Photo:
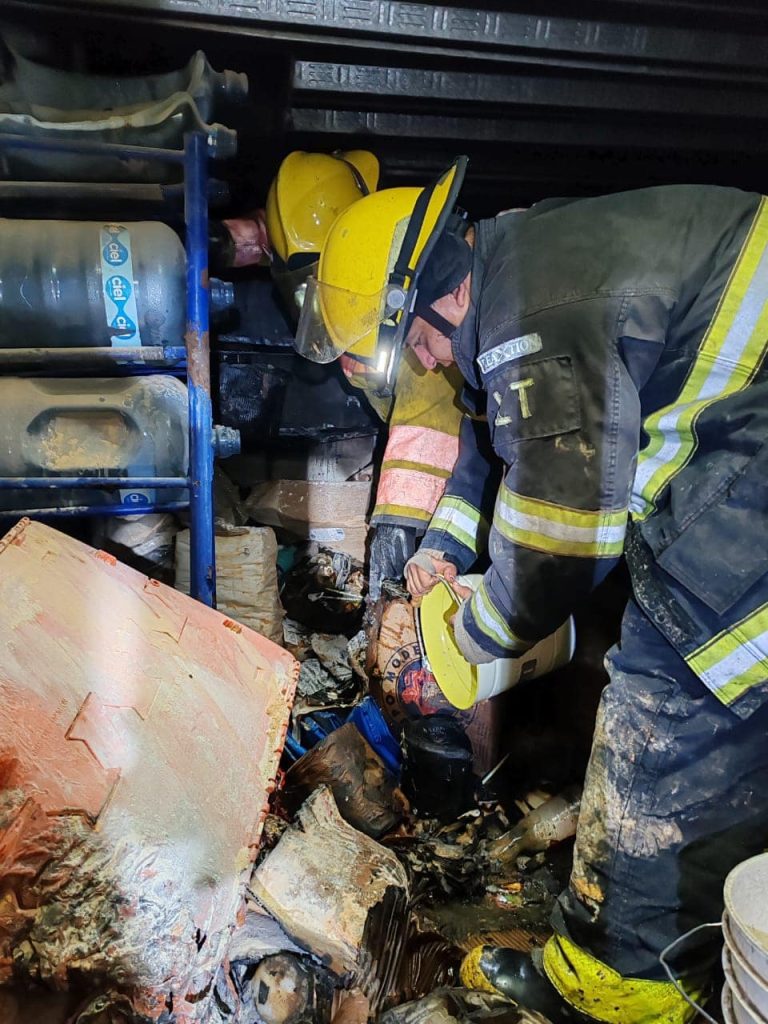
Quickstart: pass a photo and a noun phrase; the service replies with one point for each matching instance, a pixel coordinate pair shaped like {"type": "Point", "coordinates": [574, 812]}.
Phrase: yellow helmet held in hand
{"type": "Point", "coordinates": [368, 275]}
{"type": "Point", "coordinates": [305, 198]}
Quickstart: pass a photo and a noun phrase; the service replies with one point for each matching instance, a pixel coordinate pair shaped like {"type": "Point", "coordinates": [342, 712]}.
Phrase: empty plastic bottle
{"type": "Point", "coordinates": [552, 822]}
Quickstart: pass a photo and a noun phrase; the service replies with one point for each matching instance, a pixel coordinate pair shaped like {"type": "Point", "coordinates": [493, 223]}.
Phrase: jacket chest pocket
{"type": "Point", "coordinates": [535, 400]}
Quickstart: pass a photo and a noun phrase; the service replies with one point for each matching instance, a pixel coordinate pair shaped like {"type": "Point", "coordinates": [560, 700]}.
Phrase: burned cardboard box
{"type": "Point", "coordinates": [140, 734]}
{"type": "Point", "coordinates": [364, 791]}
{"type": "Point", "coordinates": [329, 513]}
{"type": "Point", "coordinates": [340, 895]}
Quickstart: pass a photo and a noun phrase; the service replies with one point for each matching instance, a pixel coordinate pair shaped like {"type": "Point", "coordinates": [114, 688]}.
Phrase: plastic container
{"type": "Point", "coordinates": [45, 103]}
{"type": "Point", "coordinates": [552, 822]}
{"type": "Point", "coordinates": [746, 913]}
{"type": "Point", "coordinates": [726, 1004]}
{"type": "Point", "coordinates": [736, 1010]}
{"type": "Point", "coordinates": [85, 283]}
{"type": "Point", "coordinates": [130, 426]}
{"type": "Point", "coordinates": [370, 721]}
{"type": "Point", "coordinates": [437, 767]}
{"type": "Point", "coordinates": [464, 684]}
{"type": "Point", "coordinates": [68, 95]}
{"type": "Point", "coordinates": [742, 980]}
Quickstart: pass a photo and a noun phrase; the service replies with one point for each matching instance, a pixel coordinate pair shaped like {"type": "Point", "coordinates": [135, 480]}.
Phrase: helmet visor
{"type": "Point", "coordinates": [291, 284]}
{"type": "Point", "coordinates": [334, 320]}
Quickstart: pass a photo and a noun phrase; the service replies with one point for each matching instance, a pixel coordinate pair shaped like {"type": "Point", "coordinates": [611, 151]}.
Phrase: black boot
{"type": "Point", "coordinates": [519, 977]}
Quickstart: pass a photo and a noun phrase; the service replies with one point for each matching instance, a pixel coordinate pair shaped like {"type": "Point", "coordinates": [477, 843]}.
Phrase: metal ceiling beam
{"type": "Point", "coordinates": [563, 108]}
{"type": "Point", "coordinates": [539, 131]}
{"type": "Point", "coordinates": [628, 39]}
{"type": "Point", "coordinates": [346, 82]}
{"type": "Point", "coordinates": [697, 7]}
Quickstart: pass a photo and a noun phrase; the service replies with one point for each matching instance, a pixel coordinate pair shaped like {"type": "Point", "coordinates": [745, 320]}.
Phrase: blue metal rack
{"type": "Point", "coordinates": [204, 440]}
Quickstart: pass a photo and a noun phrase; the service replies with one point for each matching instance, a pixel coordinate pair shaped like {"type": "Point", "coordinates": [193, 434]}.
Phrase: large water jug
{"type": "Point", "coordinates": [130, 426]}
{"type": "Point", "coordinates": [85, 283]}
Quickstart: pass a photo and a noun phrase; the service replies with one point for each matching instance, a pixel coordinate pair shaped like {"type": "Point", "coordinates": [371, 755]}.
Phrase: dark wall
{"type": "Point", "coordinates": [544, 102]}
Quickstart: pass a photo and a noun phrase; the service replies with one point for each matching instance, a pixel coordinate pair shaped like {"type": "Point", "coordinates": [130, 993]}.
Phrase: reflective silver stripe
{"type": "Point", "coordinates": [730, 352]}
{"type": "Point", "coordinates": [562, 531]}
{"type": "Point", "coordinates": [490, 621]}
{"type": "Point", "coordinates": [738, 662]}
{"type": "Point", "coordinates": [558, 529]}
{"type": "Point", "coordinates": [735, 660]}
{"type": "Point", "coordinates": [460, 520]}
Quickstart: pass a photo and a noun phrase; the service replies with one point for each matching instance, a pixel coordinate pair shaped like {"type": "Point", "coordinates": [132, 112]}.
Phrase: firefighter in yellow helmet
{"type": "Point", "coordinates": [422, 411]}
{"type": "Point", "coordinates": [308, 193]}
{"type": "Point", "coordinates": [619, 346]}
{"type": "Point", "coordinates": [363, 298]}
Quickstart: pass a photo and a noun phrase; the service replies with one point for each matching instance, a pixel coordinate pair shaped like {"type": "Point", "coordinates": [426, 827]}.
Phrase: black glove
{"type": "Point", "coordinates": [391, 548]}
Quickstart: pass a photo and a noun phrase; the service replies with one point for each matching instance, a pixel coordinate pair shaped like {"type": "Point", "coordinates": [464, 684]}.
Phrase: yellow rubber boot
{"type": "Point", "coordinates": [519, 977]}
{"type": "Point", "coordinates": [602, 994]}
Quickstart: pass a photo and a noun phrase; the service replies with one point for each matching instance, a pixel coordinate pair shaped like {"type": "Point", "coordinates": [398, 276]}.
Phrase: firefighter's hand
{"type": "Point", "coordinates": [424, 570]}
{"type": "Point", "coordinates": [352, 367]}
{"type": "Point", "coordinates": [463, 593]}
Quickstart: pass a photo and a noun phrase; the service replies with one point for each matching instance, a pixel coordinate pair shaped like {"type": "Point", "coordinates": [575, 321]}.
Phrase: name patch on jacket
{"type": "Point", "coordinates": [508, 351]}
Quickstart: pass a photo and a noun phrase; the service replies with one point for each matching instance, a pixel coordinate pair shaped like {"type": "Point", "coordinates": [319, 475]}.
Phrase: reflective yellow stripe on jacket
{"type": "Point", "coordinates": [736, 659]}
{"type": "Point", "coordinates": [557, 529]}
{"type": "Point", "coordinates": [462, 521]}
{"type": "Point", "coordinates": [729, 355]}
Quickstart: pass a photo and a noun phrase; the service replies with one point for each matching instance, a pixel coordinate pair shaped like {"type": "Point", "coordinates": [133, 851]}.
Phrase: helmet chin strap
{"type": "Point", "coordinates": [436, 320]}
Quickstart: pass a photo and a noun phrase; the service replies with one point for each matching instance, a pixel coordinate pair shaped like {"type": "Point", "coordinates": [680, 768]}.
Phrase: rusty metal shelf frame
{"type": "Point", "coordinates": [193, 159]}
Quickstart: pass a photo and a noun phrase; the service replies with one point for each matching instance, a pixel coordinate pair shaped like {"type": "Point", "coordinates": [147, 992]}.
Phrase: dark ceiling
{"type": "Point", "coordinates": [544, 102]}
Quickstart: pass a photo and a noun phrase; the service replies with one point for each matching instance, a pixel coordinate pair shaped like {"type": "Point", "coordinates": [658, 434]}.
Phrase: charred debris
{"type": "Point", "coordinates": [402, 833]}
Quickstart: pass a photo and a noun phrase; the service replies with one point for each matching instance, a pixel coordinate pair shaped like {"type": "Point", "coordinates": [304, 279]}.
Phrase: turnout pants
{"type": "Point", "coordinates": [676, 795]}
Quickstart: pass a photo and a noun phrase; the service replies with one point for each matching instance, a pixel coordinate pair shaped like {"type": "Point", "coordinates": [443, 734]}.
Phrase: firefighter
{"type": "Point", "coordinates": [619, 346]}
{"type": "Point", "coordinates": [424, 415]}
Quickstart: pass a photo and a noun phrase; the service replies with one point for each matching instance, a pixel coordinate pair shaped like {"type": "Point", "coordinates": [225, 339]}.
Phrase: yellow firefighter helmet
{"type": "Point", "coordinates": [308, 193]}
{"type": "Point", "coordinates": [368, 274]}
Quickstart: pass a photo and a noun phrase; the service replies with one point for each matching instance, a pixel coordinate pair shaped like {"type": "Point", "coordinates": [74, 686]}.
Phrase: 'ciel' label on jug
{"type": "Point", "coordinates": [115, 253]}
{"type": "Point", "coordinates": [118, 291]}
{"type": "Point", "coordinates": [118, 288]}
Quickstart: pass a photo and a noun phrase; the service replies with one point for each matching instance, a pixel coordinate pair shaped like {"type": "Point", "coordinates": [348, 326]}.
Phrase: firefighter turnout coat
{"type": "Point", "coordinates": [619, 345]}
{"type": "Point", "coordinates": [424, 419]}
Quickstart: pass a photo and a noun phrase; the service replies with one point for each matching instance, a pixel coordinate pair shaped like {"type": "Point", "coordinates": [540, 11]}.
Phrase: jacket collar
{"type": "Point", "coordinates": [465, 341]}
